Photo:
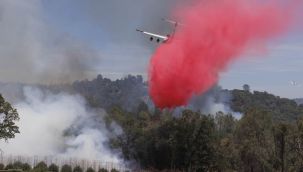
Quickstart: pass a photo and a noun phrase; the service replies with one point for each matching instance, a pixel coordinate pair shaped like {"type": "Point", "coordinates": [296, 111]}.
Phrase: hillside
{"type": "Point", "coordinates": [299, 101]}
{"type": "Point", "coordinates": [282, 109]}
{"type": "Point", "coordinates": [129, 92]}
{"type": "Point", "coordinates": [266, 138]}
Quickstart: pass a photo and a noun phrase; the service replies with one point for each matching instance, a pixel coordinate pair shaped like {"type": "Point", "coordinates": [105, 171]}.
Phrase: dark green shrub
{"type": "Point", "coordinates": [2, 166]}
{"type": "Point", "coordinates": [66, 168]}
{"type": "Point", "coordinates": [78, 169]}
{"type": "Point", "coordinates": [40, 167]}
{"type": "Point", "coordinates": [114, 170]}
{"type": "Point", "coordinates": [9, 166]}
{"type": "Point", "coordinates": [26, 167]}
{"type": "Point", "coordinates": [53, 168]}
{"type": "Point", "coordinates": [17, 165]}
{"type": "Point", "coordinates": [103, 170]}
{"type": "Point", "coordinates": [90, 169]}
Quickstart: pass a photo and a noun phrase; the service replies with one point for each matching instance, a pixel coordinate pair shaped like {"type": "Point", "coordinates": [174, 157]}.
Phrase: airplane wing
{"type": "Point", "coordinates": [153, 35]}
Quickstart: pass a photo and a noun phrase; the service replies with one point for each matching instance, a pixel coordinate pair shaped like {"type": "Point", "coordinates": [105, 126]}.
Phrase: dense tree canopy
{"type": "Point", "coordinates": [268, 137]}
{"type": "Point", "coordinates": [200, 142]}
{"type": "Point", "coordinates": [8, 117]}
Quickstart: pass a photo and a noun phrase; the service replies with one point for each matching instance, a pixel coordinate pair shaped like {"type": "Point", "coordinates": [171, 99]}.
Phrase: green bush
{"type": "Point", "coordinates": [114, 170]}
{"type": "Point", "coordinates": [53, 168]}
{"type": "Point", "coordinates": [2, 166]}
{"type": "Point", "coordinates": [103, 170]}
{"type": "Point", "coordinates": [26, 167]}
{"type": "Point", "coordinates": [90, 169]}
{"type": "Point", "coordinates": [17, 165]}
{"type": "Point", "coordinates": [41, 165]}
{"type": "Point", "coordinates": [9, 166]}
{"type": "Point", "coordinates": [78, 169]}
{"type": "Point", "coordinates": [66, 168]}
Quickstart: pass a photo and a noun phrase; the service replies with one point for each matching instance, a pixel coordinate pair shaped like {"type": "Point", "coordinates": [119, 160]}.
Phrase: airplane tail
{"type": "Point", "coordinates": [175, 23]}
{"type": "Point", "coordinates": [139, 30]}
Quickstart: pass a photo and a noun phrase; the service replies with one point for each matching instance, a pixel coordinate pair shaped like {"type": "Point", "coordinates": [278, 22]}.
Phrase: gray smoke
{"type": "Point", "coordinates": [31, 50]}
{"type": "Point", "coordinates": [59, 125]}
{"type": "Point", "coordinates": [124, 51]}
{"type": "Point", "coordinates": [213, 101]}
{"type": "Point", "coordinates": [38, 44]}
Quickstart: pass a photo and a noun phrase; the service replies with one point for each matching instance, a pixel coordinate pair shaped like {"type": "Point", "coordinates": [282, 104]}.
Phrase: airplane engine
{"type": "Point", "coordinates": [151, 38]}
{"type": "Point", "coordinates": [158, 40]}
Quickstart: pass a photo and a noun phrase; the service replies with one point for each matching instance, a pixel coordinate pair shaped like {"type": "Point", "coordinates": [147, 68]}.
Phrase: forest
{"type": "Point", "coordinates": [267, 137]}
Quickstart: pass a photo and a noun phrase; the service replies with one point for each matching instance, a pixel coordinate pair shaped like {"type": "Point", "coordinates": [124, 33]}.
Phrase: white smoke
{"type": "Point", "coordinates": [214, 101]}
{"type": "Point", "coordinates": [215, 107]}
{"type": "Point", "coordinates": [59, 125]}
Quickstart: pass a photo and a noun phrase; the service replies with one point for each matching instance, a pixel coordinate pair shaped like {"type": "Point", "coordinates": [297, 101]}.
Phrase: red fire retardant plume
{"type": "Point", "coordinates": [214, 34]}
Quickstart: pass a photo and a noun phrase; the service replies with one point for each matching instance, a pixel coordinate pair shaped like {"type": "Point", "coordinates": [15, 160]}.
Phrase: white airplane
{"type": "Point", "coordinates": [294, 83]}
{"type": "Point", "coordinates": [161, 38]}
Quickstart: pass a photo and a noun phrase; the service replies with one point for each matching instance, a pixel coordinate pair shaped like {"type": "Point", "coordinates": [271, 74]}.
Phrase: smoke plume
{"type": "Point", "coordinates": [34, 51]}
{"type": "Point", "coordinates": [43, 42]}
{"type": "Point", "coordinates": [59, 125]}
{"type": "Point", "coordinates": [215, 34]}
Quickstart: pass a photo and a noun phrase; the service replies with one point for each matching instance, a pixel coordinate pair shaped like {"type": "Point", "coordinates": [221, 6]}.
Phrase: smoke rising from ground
{"type": "Point", "coordinates": [215, 34]}
{"type": "Point", "coordinates": [33, 51]}
{"type": "Point", "coordinates": [59, 125]}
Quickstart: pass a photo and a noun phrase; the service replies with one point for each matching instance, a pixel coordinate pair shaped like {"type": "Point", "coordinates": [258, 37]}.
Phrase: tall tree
{"type": "Point", "coordinates": [280, 132]}
{"type": "Point", "coordinates": [202, 150]}
{"type": "Point", "coordinates": [8, 117]}
{"type": "Point", "coordinates": [255, 140]}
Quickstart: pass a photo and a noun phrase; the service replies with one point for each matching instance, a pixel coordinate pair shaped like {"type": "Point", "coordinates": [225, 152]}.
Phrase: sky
{"type": "Point", "coordinates": [102, 33]}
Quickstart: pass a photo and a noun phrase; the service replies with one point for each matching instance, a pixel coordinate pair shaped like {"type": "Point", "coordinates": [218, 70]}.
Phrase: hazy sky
{"type": "Point", "coordinates": [106, 30]}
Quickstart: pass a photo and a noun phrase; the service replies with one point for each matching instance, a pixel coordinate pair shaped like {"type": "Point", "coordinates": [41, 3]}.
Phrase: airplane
{"type": "Point", "coordinates": [162, 38]}
{"type": "Point", "coordinates": [156, 36]}
{"type": "Point", "coordinates": [294, 83]}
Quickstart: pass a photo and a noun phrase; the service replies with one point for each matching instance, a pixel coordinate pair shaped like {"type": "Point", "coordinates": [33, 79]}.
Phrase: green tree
{"type": "Point", "coordinates": [246, 87]}
{"type": "Point", "coordinates": [18, 165]}
{"type": "Point", "coordinates": [9, 116]}
{"type": "Point", "coordinates": [102, 170]}
{"type": "Point", "coordinates": [225, 124]}
{"type": "Point", "coordinates": [2, 166]}
{"type": "Point", "coordinates": [90, 169]}
{"type": "Point", "coordinates": [26, 167]}
{"type": "Point", "coordinates": [66, 168]}
{"type": "Point", "coordinates": [202, 145]}
{"type": "Point", "coordinates": [53, 168]}
{"type": "Point", "coordinates": [78, 169]}
{"type": "Point", "coordinates": [296, 146]}
{"type": "Point", "coordinates": [255, 140]}
{"type": "Point", "coordinates": [41, 167]}
{"type": "Point", "coordinates": [280, 132]}
{"type": "Point", "coordinates": [9, 166]}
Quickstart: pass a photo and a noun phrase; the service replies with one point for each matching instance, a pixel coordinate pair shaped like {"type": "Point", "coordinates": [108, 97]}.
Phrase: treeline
{"type": "Point", "coordinates": [130, 91]}
{"type": "Point", "coordinates": [199, 142]}
{"type": "Point", "coordinates": [283, 109]}
{"type": "Point", "coordinates": [269, 136]}
{"type": "Point", "coordinates": [102, 92]}
{"type": "Point", "coordinates": [42, 167]}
